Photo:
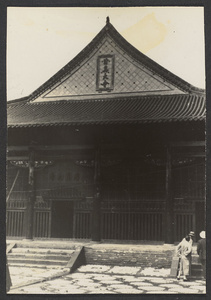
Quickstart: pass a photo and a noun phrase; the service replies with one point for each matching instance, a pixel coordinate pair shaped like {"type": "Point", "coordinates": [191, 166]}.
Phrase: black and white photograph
{"type": "Point", "coordinates": [105, 166]}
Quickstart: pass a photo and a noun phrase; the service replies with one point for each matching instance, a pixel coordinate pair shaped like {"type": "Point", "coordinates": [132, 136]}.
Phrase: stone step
{"type": "Point", "coordinates": [197, 273]}
{"type": "Point", "coordinates": [194, 278]}
{"type": "Point", "coordinates": [43, 251]}
{"type": "Point", "coordinates": [39, 254]}
{"type": "Point", "coordinates": [196, 270]}
{"type": "Point", "coordinates": [196, 267]}
{"type": "Point", "coordinates": [32, 266]}
{"type": "Point", "coordinates": [25, 261]}
{"type": "Point", "coordinates": [48, 244]}
{"type": "Point", "coordinates": [23, 256]}
{"type": "Point", "coordinates": [195, 258]}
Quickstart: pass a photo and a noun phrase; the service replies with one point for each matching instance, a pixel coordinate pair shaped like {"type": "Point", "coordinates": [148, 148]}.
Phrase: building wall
{"type": "Point", "coordinates": [132, 198]}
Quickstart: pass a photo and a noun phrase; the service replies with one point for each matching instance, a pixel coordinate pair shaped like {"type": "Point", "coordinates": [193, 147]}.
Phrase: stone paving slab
{"type": "Point", "coordinates": [109, 280]}
{"type": "Point", "coordinates": [154, 288]}
{"type": "Point", "coordinates": [160, 292]}
{"type": "Point", "coordinates": [155, 272]}
{"type": "Point", "coordinates": [169, 285]}
{"type": "Point", "coordinates": [159, 280]}
{"type": "Point", "coordinates": [94, 268]}
{"type": "Point", "coordinates": [103, 277]}
{"type": "Point", "coordinates": [81, 275]}
{"type": "Point", "coordinates": [142, 284]}
{"type": "Point", "coordinates": [181, 290]}
{"type": "Point", "coordinates": [27, 276]}
{"type": "Point", "coordinates": [198, 287]}
{"type": "Point", "coordinates": [124, 270]}
{"type": "Point", "coordinates": [186, 283]}
{"type": "Point", "coordinates": [131, 278]}
{"type": "Point", "coordinates": [126, 290]}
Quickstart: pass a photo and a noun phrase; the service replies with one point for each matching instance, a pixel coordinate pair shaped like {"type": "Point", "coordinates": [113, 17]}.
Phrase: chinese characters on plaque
{"type": "Point", "coordinates": [105, 73]}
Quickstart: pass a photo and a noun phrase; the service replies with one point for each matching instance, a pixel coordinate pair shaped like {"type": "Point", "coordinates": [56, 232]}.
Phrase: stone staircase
{"type": "Point", "coordinates": [57, 255]}
{"type": "Point", "coordinates": [32, 262]}
{"type": "Point", "coordinates": [40, 255]}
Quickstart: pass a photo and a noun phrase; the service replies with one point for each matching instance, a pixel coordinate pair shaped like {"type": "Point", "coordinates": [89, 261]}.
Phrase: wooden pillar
{"type": "Point", "coordinates": [96, 209]}
{"type": "Point", "coordinates": [32, 194]}
{"type": "Point", "coordinates": [169, 221]}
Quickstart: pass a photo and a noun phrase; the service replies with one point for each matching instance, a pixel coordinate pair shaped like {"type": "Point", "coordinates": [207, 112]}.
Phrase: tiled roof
{"type": "Point", "coordinates": [146, 109]}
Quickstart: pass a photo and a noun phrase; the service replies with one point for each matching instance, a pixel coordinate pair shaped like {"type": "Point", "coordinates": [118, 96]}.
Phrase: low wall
{"type": "Point", "coordinates": [141, 256]}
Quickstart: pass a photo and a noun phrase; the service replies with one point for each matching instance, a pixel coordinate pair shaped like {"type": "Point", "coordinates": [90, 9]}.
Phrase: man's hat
{"type": "Point", "coordinates": [191, 233]}
{"type": "Point", "coordinates": [202, 234]}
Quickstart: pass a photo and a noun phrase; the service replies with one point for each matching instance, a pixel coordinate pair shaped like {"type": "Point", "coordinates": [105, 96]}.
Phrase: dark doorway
{"type": "Point", "coordinates": [62, 219]}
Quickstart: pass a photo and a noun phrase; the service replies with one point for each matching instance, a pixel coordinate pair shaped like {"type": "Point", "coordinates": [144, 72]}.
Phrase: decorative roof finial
{"type": "Point", "coordinates": [107, 20]}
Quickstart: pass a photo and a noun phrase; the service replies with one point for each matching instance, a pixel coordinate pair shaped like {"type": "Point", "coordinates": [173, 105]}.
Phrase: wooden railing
{"type": "Point", "coordinates": [132, 226]}
{"type": "Point", "coordinates": [184, 218]}
{"type": "Point", "coordinates": [132, 220]}
{"type": "Point", "coordinates": [15, 218]}
{"type": "Point", "coordinates": [184, 223]}
{"type": "Point", "coordinates": [82, 220]}
{"type": "Point", "coordinates": [82, 225]}
{"type": "Point", "coordinates": [122, 220]}
{"type": "Point", "coordinates": [42, 223]}
{"type": "Point", "coordinates": [16, 211]}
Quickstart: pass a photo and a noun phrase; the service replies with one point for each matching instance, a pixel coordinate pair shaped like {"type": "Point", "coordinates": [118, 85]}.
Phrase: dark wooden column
{"type": "Point", "coordinates": [96, 211]}
{"type": "Point", "coordinates": [169, 222]}
{"type": "Point", "coordinates": [32, 195]}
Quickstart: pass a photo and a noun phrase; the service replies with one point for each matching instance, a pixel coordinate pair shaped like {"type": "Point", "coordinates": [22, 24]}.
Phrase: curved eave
{"type": "Point", "coordinates": [106, 122]}
{"type": "Point", "coordinates": [18, 101]}
{"type": "Point", "coordinates": [148, 109]}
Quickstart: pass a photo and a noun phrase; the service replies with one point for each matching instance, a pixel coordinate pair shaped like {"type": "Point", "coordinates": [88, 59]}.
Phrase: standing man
{"type": "Point", "coordinates": [184, 251]}
{"type": "Point", "coordinates": [191, 234]}
{"type": "Point", "coordinates": [201, 250]}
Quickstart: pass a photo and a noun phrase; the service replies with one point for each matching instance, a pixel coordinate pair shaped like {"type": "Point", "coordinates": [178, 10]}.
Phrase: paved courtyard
{"type": "Point", "coordinates": [99, 279]}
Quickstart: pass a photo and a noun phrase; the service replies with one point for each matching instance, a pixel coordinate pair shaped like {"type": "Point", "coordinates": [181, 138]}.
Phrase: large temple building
{"type": "Point", "coordinates": [112, 147]}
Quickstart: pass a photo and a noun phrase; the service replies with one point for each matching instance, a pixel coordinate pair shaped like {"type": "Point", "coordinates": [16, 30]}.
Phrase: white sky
{"type": "Point", "coordinates": [40, 41]}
